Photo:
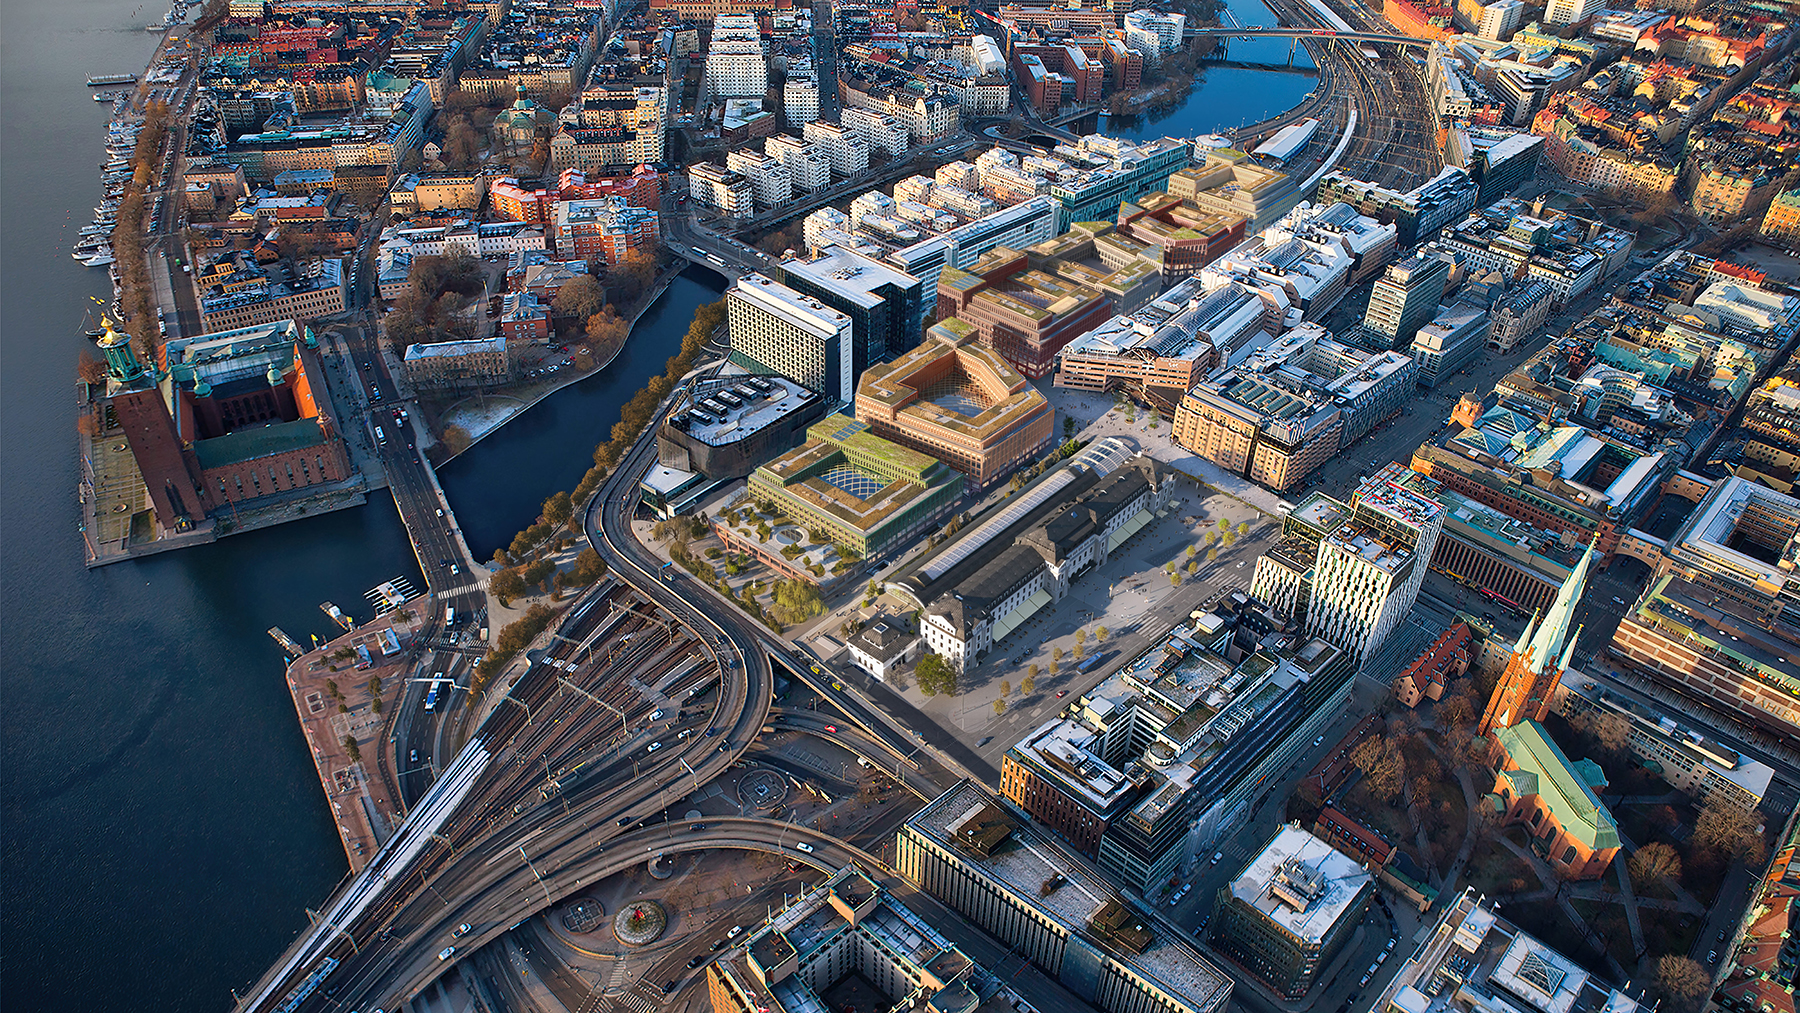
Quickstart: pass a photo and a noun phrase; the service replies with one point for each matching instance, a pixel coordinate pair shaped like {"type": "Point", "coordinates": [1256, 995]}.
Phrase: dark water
{"type": "Point", "coordinates": [161, 824]}
{"type": "Point", "coordinates": [499, 484]}
{"type": "Point", "coordinates": [1230, 97]}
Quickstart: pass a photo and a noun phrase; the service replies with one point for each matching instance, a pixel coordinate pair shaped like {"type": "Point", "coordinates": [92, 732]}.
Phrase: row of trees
{"type": "Point", "coordinates": [137, 305]}
{"type": "Point", "coordinates": [514, 637]}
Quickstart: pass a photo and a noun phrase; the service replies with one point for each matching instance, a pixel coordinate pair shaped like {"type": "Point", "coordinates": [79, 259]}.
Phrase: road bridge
{"type": "Point", "coordinates": [885, 758]}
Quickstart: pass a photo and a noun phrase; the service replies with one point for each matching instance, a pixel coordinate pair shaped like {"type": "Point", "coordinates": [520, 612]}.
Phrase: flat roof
{"type": "Point", "coordinates": [802, 311]}
{"type": "Point", "coordinates": [850, 274]}
{"type": "Point", "coordinates": [758, 411]}
{"type": "Point", "coordinates": [1026, 862]}
{"type": "Point", "coordinates": [1328, 896]}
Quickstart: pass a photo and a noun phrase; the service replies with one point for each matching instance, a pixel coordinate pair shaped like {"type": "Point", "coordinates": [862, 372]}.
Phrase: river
{"type": "Point", "coordinates": [163, 827]}
{"type": "Point", "coordinates": [1226, 97]}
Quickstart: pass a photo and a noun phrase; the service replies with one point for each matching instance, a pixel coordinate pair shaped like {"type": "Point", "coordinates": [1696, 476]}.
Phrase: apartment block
{"type": "Point", "coordinates": [848, 152]}
{"type": "Point", "coordinates": [808, 165]}
{"type": "Point", "coordinates": [607, 228]}
{"type": "Point", "coordinates": [716, 186]}
{"type": "Point", "coordinates": [769, 179]}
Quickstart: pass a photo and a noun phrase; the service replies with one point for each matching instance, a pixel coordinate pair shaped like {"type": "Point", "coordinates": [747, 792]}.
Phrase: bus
{"type": "Point", "coordinates": [1508, 604]}
{"type": "Point", "coordinates": [431, 698]}
{"type": "Point", "coordinates": [1090, 664]}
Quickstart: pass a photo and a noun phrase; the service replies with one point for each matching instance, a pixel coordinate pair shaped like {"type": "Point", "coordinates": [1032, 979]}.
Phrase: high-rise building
{"type": "Point", "coordinates": [883, 303]}
{"type": "Point", "coordinates": [777, 329]}
{"type": "Point", "coordinates": [1571, 12]}
{"type": "Point", "coordinates": [1353, 571]}
{"type": "Point", "coordinates": [800, 101]}
{"type": "Point", "coordinates": [881, 133]}
{"type": "Point", "coordinates": [1406, 297]}
{"type": "Point", "coordinates": [735, 66]}
{"type": "Point", "coordinates": [1291, 910]}
{"type": "Point", "coordinates": [1053, 909]}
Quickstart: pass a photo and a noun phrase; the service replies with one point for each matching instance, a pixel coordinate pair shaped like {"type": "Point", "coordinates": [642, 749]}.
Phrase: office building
{"type": "Point", "coordinates": [1407, 297]}
{"type": "Point", "coordinates": [1450, 341]}
{"type": "Point", "coordinates": [1371, 563]}
{"type": "Point", "coordinates": [776, 329]}
{"type": "Point", "coordinates": [1291, 910]}
{"type": "Point", "coordinates": [968, 851]}
{"type": "Point", "coordinates": [1111, 172]}
{"type": "Point", "coordinates": [1713, 773]}
{"type": "Point", "coordinates": [885, 305]}
{"type": "Point", "coordinates": [864, 492]}
{"type": "Point", "coordinates": [1180, 237]}
{"type": "Point", "coordinates": [1281, 408]}
{"type": "Point", "coordinates": [1158, 353]}
{"type": "Point", "coordinates": [253, 294]}
{"type": "Point", "coordinates": [960, 403]}
{"type": "Point", "coordinates": [841, 940]}
{"type": "Point", "coordinates": [884, 647]}
{"type": "Point", "coordinates": [1024, 314]}
{"type": "Point", "coordinates": [1018, 227]}
{"type": "Point", "coordinates": [1416, 214]}
{"type": "Point", "coordinates": [1474, 959]}
{"type": "Point", "coordinates": [1720, 621]}
{"type": "Point", "coordinates": [1782, 222]}
{"type": "Point", "coordinates": [726, 438]}
{"type": "Point", "coordinates": [1149, 769]}
{"type": "Point", "coordinates": [978, 586]}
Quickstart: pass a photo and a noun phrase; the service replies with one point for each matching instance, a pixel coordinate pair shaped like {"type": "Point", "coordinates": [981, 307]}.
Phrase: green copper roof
{"type": "Point", "coordinates": [1561, 787]}
{"type": "Point", "coordinates": [249, 444]}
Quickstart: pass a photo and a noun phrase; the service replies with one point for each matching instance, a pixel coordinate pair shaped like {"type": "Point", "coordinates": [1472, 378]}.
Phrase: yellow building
{"type": "Point", "coordinates": [1782, 223]}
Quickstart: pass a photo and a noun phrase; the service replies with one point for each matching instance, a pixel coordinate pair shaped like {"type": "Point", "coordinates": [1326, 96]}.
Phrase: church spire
{"type": "Point", "coordinates": [1547, 644]}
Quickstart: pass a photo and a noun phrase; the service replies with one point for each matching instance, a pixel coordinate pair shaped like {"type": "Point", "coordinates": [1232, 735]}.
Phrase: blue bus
{"type": "Point", "coordinates": [1088, 665]}
{"type": "Point", "coordinates": [431, 698]}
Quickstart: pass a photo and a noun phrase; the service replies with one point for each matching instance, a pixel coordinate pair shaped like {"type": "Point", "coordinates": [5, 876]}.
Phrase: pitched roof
{"type": "Point", "coordinates": [1561, 788]}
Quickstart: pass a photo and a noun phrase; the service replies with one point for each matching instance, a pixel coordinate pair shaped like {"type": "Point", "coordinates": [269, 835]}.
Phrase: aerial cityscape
{"type": "Point", "coordinates": [1069, 506]}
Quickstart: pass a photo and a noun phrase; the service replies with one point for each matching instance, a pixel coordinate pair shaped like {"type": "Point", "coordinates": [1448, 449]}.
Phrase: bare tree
{"type": "Point", "coordinates": [1682, 980]}
{"type": "Point", "coordinates": [1729, 832]}
{"type": "Point", "coordinates": [1653, 861]}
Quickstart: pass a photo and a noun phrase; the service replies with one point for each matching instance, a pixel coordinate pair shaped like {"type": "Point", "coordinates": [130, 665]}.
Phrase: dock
{"type": "Point", "coordinates": [345, 708]}
{"type": "Point", "coordinates": [287, 643]}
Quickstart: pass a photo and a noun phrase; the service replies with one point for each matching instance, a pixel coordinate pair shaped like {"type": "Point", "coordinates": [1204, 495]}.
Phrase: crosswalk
{"type": "Point", "coordinates": [635, 1001]}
